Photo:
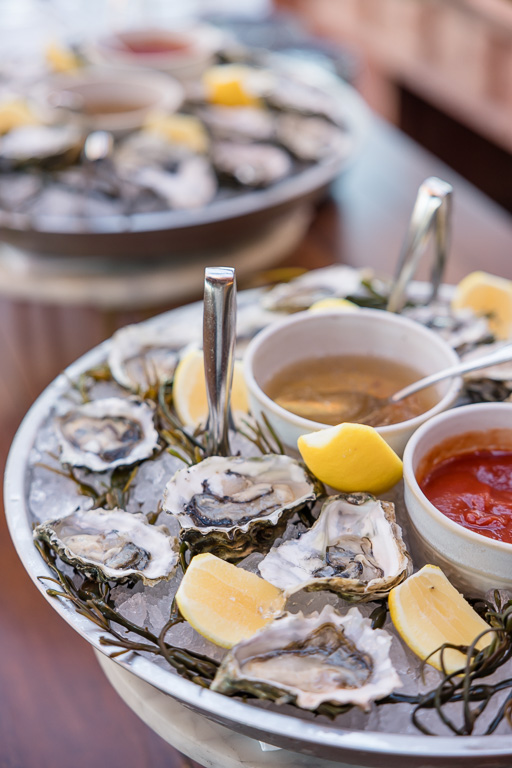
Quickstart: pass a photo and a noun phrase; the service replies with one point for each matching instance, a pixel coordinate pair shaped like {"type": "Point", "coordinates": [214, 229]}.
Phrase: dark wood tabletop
{"type": "Point", "coordinates": [56, 707]}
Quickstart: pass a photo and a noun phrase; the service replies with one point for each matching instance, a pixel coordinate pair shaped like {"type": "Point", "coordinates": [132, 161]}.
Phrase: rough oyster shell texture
{"type": "Point", "coordinates": [108, 433]}
{"type": "Point", "coordinates": [233, 506]}
{"type": "Point", "coordinates": [355, 549]}
{"type": "Point", "coordinates": [113, 545]}
{"type": "Point", "coordinates": [309, 660]}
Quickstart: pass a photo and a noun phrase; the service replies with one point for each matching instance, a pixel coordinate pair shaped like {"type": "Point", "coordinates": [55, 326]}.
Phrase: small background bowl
{"type": "Point", "coordinates": [369, 332]}
{"type": "Point", "coordinates": [192, 49]}
{"type": "Point", "coordinates": [142, 91]}
{"type": "Point", "coordinates": [473, 562]}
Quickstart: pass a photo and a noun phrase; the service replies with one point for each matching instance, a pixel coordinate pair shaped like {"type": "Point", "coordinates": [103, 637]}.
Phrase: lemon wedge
{"type": "Point", "coordinates": [489, 295]}
{"type": "Point", "coordinates": [327, 305]}
{"type": "Point", "coordinates": [427, 611]}
{"type": "Point", "coordinates": [229, 85]}
{"type": "Point", "coordinates": [226, 604]}
{"type": "Point", "coordinates": [14, 114]}
{"type": "Point", "coordinates": [189, 389]}
{"type": "Point", "coordinates": [351, 457]}
{"type": "Point", "coordinates": [186, 130]}
{"type": "Point", "coordinates": [60, 58]}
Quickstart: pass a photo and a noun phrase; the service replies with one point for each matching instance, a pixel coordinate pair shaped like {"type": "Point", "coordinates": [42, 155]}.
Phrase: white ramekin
{"type": "Point", "coordinates": [473, 562]}
{"type": "Point", "coordinates": [306, 336]}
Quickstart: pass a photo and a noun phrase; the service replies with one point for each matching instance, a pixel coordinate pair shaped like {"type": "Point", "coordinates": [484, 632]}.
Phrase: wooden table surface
{"type": "Point", "coordinates": [56, 708]}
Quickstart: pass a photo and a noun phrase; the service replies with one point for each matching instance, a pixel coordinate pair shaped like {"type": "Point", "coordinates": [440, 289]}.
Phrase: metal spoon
{"type": "Point", "coordinates": [219, 328]}
{"type": "Point", "coordinates": [364, 405]}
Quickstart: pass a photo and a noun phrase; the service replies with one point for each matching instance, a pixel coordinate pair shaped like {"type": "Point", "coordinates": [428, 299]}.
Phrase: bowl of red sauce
{"type": "Point", "coordinates": [458, 494]}
{"type": "Point", "coordinates": [185, 50]}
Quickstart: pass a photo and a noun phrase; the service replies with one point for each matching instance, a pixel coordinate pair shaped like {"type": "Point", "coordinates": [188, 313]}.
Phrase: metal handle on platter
{"type": "Point", "coordinates": [502, 355]}
{"type": "Point", "coordinates": [432, 211]}
{"type": "Point", "coordinates": [219, 328]}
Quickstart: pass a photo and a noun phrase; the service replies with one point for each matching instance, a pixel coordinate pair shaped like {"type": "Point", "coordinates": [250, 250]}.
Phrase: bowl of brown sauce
{"type": "Point", "coordinates": [458, 494]}
{"type": "Point", "coordinates": [312, 371]}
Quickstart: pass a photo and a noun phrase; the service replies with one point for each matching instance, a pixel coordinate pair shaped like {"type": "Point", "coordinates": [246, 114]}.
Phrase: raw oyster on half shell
{"type": "Point", "coordinates": [355, 549]}
{"type": "Point", "coordinates": [313, 659]}
{"type": "Point", "coordinates": [337, 281]}
{"type": "Point", "coordinates": [233, 506]}
{"type": "Point", "coordinates": [112, 545]}
{"type": "Point", "coordinates": [108, 433]}
{"type": "Point", "coordinates": [142, 357]}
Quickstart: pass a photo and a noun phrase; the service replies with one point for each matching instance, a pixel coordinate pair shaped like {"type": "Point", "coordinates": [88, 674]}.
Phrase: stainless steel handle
{"type": "Point", "coordinates": [432, 211]}
{"type": "Point", "coordinates": [219, 328]}
{"type": "Point", "coordinates": [502, 355]}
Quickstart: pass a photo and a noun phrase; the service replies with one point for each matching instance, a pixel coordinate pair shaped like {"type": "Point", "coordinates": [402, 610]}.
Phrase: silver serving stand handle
{"type": "Point", "coordinates": [219, 329]}
{"type": "Point", "coordinates": [431, 214]}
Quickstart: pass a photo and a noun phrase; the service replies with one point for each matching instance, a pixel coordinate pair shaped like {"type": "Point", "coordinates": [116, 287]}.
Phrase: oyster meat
{"type": "Point", "coordinates": [355, 548]}
{"type": "Point", "coordinates": [233, 506]}
{"type": "Point", "coordinates": [312, 659]}
{"type": "Point", "coordinates": [108, 433]}
{"type": "Point", "coordinates": [112, 545]}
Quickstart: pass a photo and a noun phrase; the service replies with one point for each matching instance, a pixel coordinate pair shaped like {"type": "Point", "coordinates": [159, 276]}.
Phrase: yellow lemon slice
{"type": "Point", "coordinates": [427, 611]}
{"type": "Point", "coordinates": [224, 603]}
{"type": "Point", "coordinates": [351, 457]}
{"type": "Point", "coordinates": [326, 305]}
{"type": "Point", "coordinates": [489, 295]}
{"type": "Point", "coordinates": [189, 389]}
{"type": "Point", "coordinates": [14, 114]}
{"type": "Point", "coordinates": [60, 58]}
{"type": "Point", "coordinates": [186, 130]}
{"type": "Point", "coordinates": [229, 86]}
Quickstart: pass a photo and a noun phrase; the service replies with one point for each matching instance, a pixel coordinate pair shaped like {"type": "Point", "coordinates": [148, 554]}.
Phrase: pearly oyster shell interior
{"type": "Point", "coordinates": [324, 657]}
{"type": "Point", "coordinates": [107, 433]}
{"type": "Point", "coordinates": [355, 549]}
{"type": "Point", "coordinates": [233, 506]}
{"type": "Point", "coordinates": [111, 544]}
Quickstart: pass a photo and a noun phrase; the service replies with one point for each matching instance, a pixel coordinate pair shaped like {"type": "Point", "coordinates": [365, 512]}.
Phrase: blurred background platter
{"type": "Point", "coordinates": [175, 235]}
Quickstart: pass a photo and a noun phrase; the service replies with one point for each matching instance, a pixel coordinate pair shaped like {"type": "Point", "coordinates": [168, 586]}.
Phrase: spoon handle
{"type": "Point", "coordinates": [502, 355]}
{"type": "Point", "coordinates": [219, 328]}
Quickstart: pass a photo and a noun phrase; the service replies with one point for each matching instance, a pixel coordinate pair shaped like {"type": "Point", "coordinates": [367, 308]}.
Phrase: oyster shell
{"type": "Point", "coordinates": [245, 123]}
{"type": "Point", "coordinates": [108, 433]}
{"type": "Point", "coordinates": [500, 372]}
{"type": "Point", "coordinates": [40, 144]}
{"type": "Point", "coordinates": [336, 281]}
{"type": "Point", "coordinates": [141, 357]}
{"type": "Point", "coordinates": [312, 138]}
{"type": "Point", "coordinates": [192, 184]}
{"type": "Point", "coordinates": [355, 548]}
{"type": "Point", "coordinates": [252, 165]}
{"type": "Point", "coordinates": [309, 660]}
{"type": "Point", "coordinates": [233, 506]}
{"type": "Point", "coordinates": [112, 545]}
{"type": "Point", "coordinates": [461, 328]}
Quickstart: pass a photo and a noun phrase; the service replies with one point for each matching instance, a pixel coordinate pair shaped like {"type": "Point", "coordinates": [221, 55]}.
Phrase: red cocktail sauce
{"type": "Point", "coordinates": [475, 490]}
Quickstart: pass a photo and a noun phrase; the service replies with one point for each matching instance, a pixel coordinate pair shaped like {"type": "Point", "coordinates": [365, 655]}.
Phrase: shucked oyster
{"type": "Point", "coordinates": [141, 356]}
{"type": "Point", "coordinates": [252, 165]}
{"type": "Point", "coordinates": [112, 545]}
{"type": "Point", "coordinates": [355, 548]}
{"type": "Point", "coordinates": [336, 281]}
{"type": "Point", "coordinates": [309, 660]}
{"type": "Point", "coordinates": [108, 433]}
{"type": "Point", "coordinates": [232, 506]}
